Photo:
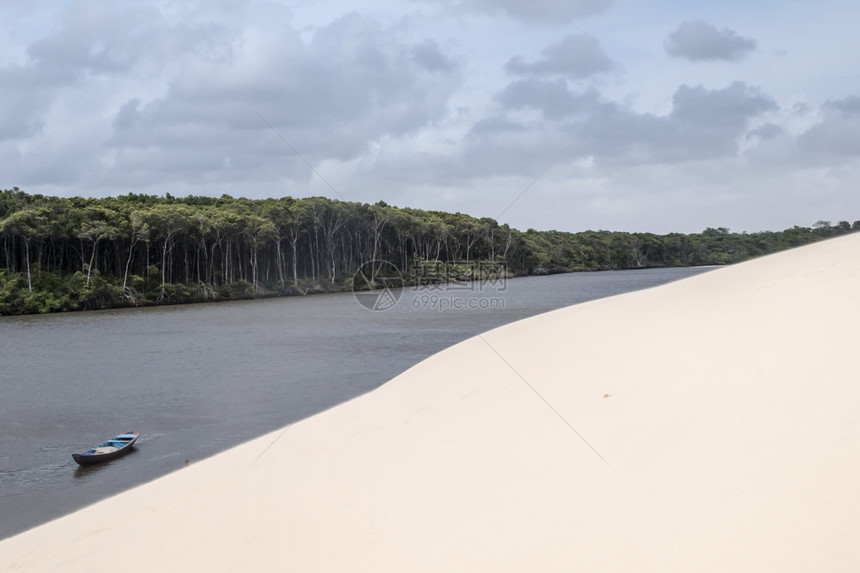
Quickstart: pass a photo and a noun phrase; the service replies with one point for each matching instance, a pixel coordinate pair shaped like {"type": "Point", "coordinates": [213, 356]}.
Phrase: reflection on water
{"type": "Point", "coordinates": [198, 379]}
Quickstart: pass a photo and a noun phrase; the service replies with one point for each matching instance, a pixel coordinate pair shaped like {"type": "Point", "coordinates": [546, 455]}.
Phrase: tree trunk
{"type": "Point", "coordinates": [127, 264]}
{"type": "Point", "coordinates": [92, 260]}
{"type": "Point", "coordinates": [293, 240]}
{"type": "Point", "coordinates": [280, 261]}
{"type": "Point", "coordinates": [27, 256]}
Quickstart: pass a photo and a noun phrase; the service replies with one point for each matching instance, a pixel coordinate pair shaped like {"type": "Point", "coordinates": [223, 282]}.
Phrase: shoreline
{"type": "Point", "coordinates": [411, 287]}
{"type": "Point", "coordinates": [708, 424]}
{"type": "Point", "coordinates": [318, 290]}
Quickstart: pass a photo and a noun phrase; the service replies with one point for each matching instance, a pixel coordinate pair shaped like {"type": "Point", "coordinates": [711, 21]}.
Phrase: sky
{"type": "Point", "coordinates": [661, 116]}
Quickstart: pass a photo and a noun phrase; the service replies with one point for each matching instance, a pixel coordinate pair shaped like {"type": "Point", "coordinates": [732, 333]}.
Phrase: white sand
{"type": "Point", "coordinates": [722, 419]}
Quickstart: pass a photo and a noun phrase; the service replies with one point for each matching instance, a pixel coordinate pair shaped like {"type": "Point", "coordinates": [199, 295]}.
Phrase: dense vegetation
{"type": "Point", "coordinates": [72, 253]}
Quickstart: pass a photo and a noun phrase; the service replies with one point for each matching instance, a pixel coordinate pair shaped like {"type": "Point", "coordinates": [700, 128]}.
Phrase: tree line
{"type": "Point", "coordinates": [61, 254]}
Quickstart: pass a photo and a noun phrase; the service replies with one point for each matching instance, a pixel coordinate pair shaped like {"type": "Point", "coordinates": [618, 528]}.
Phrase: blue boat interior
{"type": "Point", "coordinates": [109, 443]}
{"type": "Point", "coordinates": [118, 442]}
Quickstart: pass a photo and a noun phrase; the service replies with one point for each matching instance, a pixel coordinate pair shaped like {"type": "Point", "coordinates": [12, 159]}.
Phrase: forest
{"type": "Point", "coordinates": [62, 254]}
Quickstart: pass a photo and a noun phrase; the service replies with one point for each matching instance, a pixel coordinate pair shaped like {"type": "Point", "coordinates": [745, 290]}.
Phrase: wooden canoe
{"type": "Point", "coordinates": [109, 450]}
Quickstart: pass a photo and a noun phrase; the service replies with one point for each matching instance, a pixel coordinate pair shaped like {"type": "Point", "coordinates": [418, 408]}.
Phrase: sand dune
{"type": "Point", "coordinates": [712, 424]}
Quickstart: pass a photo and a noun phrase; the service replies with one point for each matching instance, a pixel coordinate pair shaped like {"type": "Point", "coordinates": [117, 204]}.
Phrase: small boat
{"type": "Point", "coordinates": [110, 450]}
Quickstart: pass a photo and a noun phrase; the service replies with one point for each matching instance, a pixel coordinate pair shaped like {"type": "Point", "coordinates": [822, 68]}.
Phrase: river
{"type": "Point", "coordinates": [198, 379]}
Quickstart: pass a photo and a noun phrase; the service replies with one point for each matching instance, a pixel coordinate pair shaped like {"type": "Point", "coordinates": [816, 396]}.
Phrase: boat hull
{"type": "Point", "coordinates": [126, 443]}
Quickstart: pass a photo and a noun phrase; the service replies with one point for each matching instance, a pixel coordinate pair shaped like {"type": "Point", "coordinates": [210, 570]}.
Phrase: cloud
{"type": "Point", "coordinates": [703, 123]}
{"type": "Point", "coordinates": [837, 134]}
{"type": "Point", "coordinates": [514, 145]}
{"type": "Point", "coordinates": [353, 83]}
{"type": "Point", "coordinates": [93, 42]}
{"type": "Point", "coordinates": [576, 55]}
{"type": "Point", "coordinates": [164, 103]}
{"type": "Point", "coordinates": [700, 41]}
{"type": "Point", "coordinates": [727, 109]}
{"type": "Point", "coordinates": [551, 97]}
{"type": "Point", "coordinates": [449, 104]}
{"type": "Point", "coordinates": [849, 106]}
{"type": "Point", "coordinates": [766, 131]}
{"type": "Point", "coordinates": [27, 94]}
{"type": "Point", "coordinates": [533, 11]}
{"type": "Point", "coordinates": [429, 55]}
{"type": "Point", "coordinates": [544, 10]}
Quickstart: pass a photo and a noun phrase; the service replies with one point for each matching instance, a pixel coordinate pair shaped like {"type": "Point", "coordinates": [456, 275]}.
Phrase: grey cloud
{"type": "Point", "coordinates": [700, 41]}
{"type": "Point", "coordinates": [702, 132]}
{"type": "Point", "coordinates": [26, 95]}
{"type": "Point", "coordinates": [551, 97]}
{"type": "Point", "coordinates": [576, 55]}
{"type": "Point", "coordinates": [353, 83]}
{"type": "Point", "coordinates": [496, 125]}
{"type": "Point", "coordinates": [726, 109]}
{"type": "Point", "coordinates": [837, 134]}
{"type": "Point", "coordinates": [766, 131]}
{"type": "Point", "coordinates": [703, 124]}
{"type": "Point", "coordinates": [87, 39]}
{"type": "Point", "coordinates": [531, 11]}
{"type": "Point", "coordinates": [185, 97]}
{"type": "Point", "coordinates": [801, 108]}
{"type": "Point", "coordinates": [430, 57]}
{"type": "Point", "coordinates": [127, 115]}
{"type": "Point", "coordinates": [92, 39]}
{"type": "Point", "coordinates": [542, 11]}
{"type": "Point", "coordinates": [104, 39]}
{"type": "Point", "coordinates": [849, 106]}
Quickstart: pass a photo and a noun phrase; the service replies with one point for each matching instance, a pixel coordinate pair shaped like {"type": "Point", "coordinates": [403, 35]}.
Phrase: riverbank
{"type": "Point", "coordinates": [59, 254]}
{"type": "Point", "coordinates": [50, 292]}
{"type": "Point", "coordinates": [705, 425]}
